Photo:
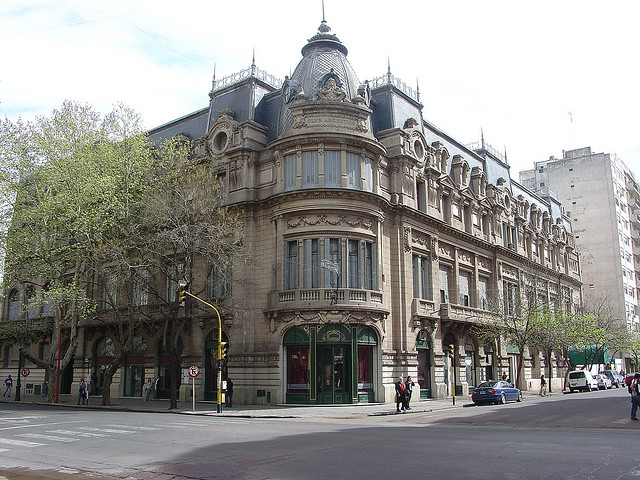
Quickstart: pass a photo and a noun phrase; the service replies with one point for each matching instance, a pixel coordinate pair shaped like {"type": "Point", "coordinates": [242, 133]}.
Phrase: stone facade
{"type": "Point", "coordinates": [379, 242]}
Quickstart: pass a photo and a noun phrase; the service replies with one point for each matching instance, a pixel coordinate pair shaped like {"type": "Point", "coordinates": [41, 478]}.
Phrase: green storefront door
{"type": "Point", "coordinates": [333, 374]}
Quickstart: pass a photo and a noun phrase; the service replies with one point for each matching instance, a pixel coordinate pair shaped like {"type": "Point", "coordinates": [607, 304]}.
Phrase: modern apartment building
{"type": "Point", "coordinates": [602, 198]}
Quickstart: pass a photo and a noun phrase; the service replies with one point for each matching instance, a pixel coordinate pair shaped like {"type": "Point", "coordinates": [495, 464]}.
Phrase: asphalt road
{"type": "Point", "coordinates": [575, 436]}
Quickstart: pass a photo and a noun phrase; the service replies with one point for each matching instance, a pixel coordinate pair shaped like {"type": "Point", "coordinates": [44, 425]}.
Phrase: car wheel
{"type": "Point", "coordinates": [571, 390]}
{"type": "Point", "coordinates": [519, 399]}
{"type": "Point", "coordinates": [503, 399]}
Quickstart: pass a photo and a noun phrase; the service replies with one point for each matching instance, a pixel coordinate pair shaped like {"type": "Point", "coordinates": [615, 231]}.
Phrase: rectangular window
{"type": "Point", "coordinates": [422, 196]}
{"type": "Point", "coordinates": [416, 276]}
{"type": "Point", "coordinates": [444, 284]}
{"type": "Point", "coordinates": [511, 298]}
{"type": "Point", "coordinates": [332, 177]}
{"type": "Point", "coordinates": [332, 253]}
{"type": "Point", "coordinates": [219, 281]}
{"type": "Point", "coordinates": [291, 268]}
{"type": "Point", "coordinates": [290, 172]}
{"type": "Point", "coordinates": [310, 169]}
{"type": "Point", "coordinates": [463, 285]}
{"type": "Point", "coordinates": [424, 278]}
{"type": "Point", "coordinates": [140, 293]}
{"type": "Point", "coordinates": [483, 288]}
{"type": "Point", "coordinates": [370, 266]}
{"type": "Point", "coordinates": [311, 264]}
{"type": "Point", "coordinates": [353, 170]}
{"type": "Point", "coordinates": [109, 296]}
{"type": "Point", "coordinates": [353, 264]}
{"type": "Point", "coordinates": [368, 174]}
{"type": "Point", "coordinates": [172, 283]}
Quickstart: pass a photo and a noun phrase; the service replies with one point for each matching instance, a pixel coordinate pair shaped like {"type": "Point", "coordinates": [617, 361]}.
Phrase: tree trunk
{"type": "Point", "coordinates": [107, 379]}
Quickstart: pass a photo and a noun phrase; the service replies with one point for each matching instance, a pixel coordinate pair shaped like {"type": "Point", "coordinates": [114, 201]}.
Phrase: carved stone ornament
{"type": "Point", "coordinates": [434, 248]}
{"type": "Point", "coordinates": [331, 91]}
{"type": "Point", "coordinates": [303, 221]}
{"type": "Point", "coordinates": [407, 239]}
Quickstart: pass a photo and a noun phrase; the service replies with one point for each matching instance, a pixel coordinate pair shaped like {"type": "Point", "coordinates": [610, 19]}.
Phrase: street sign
{"type": "Point", "coordinates": [194, 371]}
{"type": "Point", "coordinates": [25, 372]}
{"type": "Point", "coordinates": [561, 364]}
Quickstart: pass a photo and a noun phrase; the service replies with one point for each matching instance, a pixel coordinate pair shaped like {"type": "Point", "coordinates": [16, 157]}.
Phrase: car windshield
{"type": "Point", "coordinates": [488, 384]}
{"type": "Point", "coordinates": [576, 375]}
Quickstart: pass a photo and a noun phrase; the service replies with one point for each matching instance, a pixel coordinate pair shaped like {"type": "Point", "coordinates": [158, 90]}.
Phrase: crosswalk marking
{"type": "Point", "coordinates": [106, 430]}
{"type": "Point", "coordinates": [79, 434]}
{"type": "Point", "coordinates": [42, 436]}
{"type": "Point", "coordinates": [135, 427]}
{"type": "Point", "coordinates": [20, 443]}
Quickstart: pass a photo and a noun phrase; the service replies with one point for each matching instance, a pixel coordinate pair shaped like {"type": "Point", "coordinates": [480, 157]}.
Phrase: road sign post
{"type": "Point", "coordinates": [193, 373]}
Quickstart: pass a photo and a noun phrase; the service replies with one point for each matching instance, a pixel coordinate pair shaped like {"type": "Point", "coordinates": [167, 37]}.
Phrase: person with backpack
{"type": "Point", "coordinates": [635, 395]}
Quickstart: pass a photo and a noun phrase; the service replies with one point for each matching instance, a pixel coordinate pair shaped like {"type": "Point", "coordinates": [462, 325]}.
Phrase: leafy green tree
{"type": "Point", "coordinates": [69, 181]}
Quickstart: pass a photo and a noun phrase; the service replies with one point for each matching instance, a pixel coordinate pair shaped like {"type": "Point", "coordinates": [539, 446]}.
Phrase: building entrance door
{"type": "Point", "coordinates": [333, 374]}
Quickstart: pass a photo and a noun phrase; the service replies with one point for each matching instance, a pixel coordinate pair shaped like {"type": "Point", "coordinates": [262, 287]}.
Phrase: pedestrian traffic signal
{"type": "Point", "coordinates": [182, 288]}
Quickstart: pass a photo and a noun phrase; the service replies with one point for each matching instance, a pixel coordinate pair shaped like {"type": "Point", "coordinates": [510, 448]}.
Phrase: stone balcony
{"type": "Point", "coordinates": [326, 299]}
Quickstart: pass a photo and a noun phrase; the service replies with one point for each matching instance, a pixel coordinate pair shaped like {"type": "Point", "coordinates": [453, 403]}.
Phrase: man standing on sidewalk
{"type": "Point", "coordinates": [8, 382]}
{"type": "Point", "coordinates": [635, 395]}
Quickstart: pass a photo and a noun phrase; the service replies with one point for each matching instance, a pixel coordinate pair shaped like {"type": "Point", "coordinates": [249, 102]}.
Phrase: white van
{"type": "Point", "coordinates": [582, 380]}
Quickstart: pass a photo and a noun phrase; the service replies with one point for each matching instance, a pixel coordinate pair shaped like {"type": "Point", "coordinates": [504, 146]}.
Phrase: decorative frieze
{"type": "Point", "coordinates": [333, 220]}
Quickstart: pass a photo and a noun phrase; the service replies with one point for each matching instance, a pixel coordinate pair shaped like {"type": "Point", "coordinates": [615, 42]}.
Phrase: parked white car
{"type": "Point", "coordinates": [616, 379]}
{"type": "Point", "coordinates": [604, 382]}
{"type": "Point", "coordinates": [582, 380]}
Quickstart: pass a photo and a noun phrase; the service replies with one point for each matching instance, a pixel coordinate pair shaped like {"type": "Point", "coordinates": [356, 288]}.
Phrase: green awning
{"type": "Point", "coordinates": [590, 354]}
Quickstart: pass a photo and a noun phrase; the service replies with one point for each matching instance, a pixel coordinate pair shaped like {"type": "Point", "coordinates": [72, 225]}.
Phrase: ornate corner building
{"type": "Point", "coordinates": [380, 241]}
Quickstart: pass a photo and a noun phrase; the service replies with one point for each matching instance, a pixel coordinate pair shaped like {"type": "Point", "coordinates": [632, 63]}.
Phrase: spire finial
{"type": "Point", "coordinates": [323, 28]}
{"type": "Point", "coordinates": [253, 58]}
{"type": "Point", "coordinates": [213, 82]}
{"type": "Point", "coordinates": [482, 137]}
{"type": "Point", "coordinates": [417, 89]}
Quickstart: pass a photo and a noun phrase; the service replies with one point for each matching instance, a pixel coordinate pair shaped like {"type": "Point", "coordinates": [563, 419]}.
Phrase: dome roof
{"type": "Point", "coordinates": [323, 55]}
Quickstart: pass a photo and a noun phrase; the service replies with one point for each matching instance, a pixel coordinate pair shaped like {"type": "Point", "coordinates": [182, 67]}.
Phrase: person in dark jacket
{"type": "Point", "coordinates": [400, 394]}
{"type": "Point", "coordinates": [408, 388]}
{"type": "Point", "coordinates": [229, 394]}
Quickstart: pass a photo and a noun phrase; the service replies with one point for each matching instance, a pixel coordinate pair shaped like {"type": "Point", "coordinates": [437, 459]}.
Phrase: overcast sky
{"type": "Point", "coordinates": [537, 77]}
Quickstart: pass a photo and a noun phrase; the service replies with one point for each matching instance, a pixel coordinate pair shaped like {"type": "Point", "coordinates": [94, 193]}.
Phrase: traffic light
{"type": "Point", "coordinates": [224, 346]}
{"type": "Point", "coordinates": [451, 350]}
{"type": "Point", "coordinates": [182, 288]}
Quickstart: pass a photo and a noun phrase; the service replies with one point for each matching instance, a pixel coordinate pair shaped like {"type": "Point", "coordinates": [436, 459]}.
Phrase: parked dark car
{"type": "Point", "coordinates": [495, 391]}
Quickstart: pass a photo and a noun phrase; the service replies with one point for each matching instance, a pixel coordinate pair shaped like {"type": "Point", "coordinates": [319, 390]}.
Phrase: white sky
{"type": "Point", "coordinates": [538, 77]}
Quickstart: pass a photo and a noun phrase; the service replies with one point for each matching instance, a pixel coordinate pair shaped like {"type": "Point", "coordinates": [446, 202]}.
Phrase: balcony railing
{"type": "Point", "coordinates": [324, 298]}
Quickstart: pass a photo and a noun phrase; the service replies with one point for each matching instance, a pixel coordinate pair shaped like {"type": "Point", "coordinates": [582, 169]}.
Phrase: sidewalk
{"type": "Point", "coordinates": [257, 411]}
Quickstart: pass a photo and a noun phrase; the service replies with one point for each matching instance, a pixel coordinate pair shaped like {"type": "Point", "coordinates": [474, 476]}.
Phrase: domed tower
{"type": "Point", "coordinates": [324, 73]}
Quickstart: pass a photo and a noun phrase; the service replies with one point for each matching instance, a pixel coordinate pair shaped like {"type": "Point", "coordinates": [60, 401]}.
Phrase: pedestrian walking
{"type": "Point", "coordinates": [82, 392]}
{"type": "Point", "coordinates": [45, 388]}
{"type": "Point", "coordinates": [635, 395]}
{"type": "Point", "coordinates": [400, 394]}
{"type": "Point", "coordinates": [408, 388]}
{"type": "Point", "coordinates": [147, 389]}
{"type": "Point", "coordinates": [8, 383]}
{"type": "Point", "coordinates": [543, 386]}
{"type": "Point", "coordinates": [228, 398]}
